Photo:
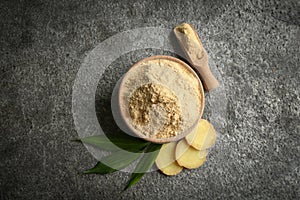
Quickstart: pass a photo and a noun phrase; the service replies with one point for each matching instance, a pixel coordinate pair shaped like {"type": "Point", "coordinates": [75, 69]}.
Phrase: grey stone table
{"type": "Point", "coordinates": [254, 44]}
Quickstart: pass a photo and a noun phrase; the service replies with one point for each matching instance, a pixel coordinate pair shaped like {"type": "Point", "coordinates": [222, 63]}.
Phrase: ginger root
{"type": "Point", "coordinates": [203, 137]}
{"type": "Point", "coordinates": [189, 152]}
{"type": "Point", "coordinates": [189, 157]}
{"type": "Point", "coordinates": [165, 160]}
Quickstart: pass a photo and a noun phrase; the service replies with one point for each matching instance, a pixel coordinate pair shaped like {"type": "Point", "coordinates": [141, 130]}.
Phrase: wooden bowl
{"type": "Point", "coordinates": [124, 114]}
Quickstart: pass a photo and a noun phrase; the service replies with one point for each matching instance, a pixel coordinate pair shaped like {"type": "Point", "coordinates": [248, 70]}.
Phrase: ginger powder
{"type": "Point", "coordinates": [161, 98]}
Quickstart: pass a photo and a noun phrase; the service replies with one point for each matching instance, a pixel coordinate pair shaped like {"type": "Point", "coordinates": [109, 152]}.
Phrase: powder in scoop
{"type": "Point", "coordinates": [189, 38]}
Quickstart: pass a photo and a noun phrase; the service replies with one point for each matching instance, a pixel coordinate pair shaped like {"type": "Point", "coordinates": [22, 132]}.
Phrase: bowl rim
{"type": "Point", "coordinates": [130, 126]}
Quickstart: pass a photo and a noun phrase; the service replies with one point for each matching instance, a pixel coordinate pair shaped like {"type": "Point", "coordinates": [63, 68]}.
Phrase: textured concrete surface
{"type": "Point", "coordinates": [255, 45]}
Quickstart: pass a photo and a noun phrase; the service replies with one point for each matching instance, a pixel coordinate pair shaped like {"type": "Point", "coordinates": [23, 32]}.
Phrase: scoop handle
{"type": "Point", "coordinates": [200, 64]}
{"type": "Point", "coordinates": [209, 80]}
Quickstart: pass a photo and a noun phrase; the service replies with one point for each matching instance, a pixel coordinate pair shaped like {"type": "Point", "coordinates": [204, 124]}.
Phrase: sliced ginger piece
{"type": "Point", "coordinates": [189, 157]}
{"type": "Point", "coordinates": [203, 137]}
{"type": "Point", "coordinates": [165, 160]}
{"type": "Point", "coordinates": [172, 169]}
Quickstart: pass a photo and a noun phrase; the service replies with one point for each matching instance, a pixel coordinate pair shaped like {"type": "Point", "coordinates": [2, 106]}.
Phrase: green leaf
{"type": "Point", "coordinates": [144, 164]}
{"type": "Point", "coordinates": [115, 161]}
{"type": "Point", "coordinates": [115, 142]}
{"type": "Point", "coordinates": [100, 168]}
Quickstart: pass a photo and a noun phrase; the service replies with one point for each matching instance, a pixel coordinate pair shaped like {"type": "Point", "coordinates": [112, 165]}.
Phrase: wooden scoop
{"type": "Point", "coordinates": [196, 54]}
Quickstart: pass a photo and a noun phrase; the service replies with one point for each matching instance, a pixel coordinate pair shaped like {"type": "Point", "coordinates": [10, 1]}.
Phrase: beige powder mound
{"type": "Point", "coordinates": [172, 77]}
{"type": "Point", "coordinates": [160, 105]}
